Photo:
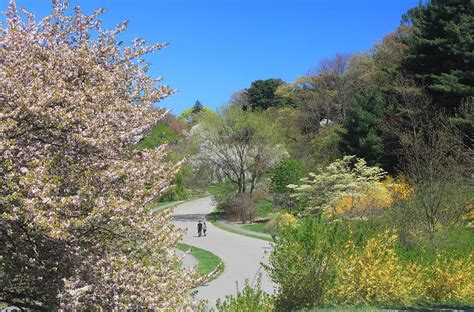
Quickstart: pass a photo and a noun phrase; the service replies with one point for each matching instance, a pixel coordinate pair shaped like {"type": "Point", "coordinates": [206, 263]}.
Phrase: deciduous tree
{"type": "Point", "coordinates": [76, 231]}
{"type": "Point", "coordinates": [241, 145]}
{"type": "Point", "coordinates": [437, 163]}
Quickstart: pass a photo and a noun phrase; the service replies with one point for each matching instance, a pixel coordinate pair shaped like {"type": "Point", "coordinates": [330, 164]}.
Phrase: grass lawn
{"type": "Point", "coordinates": [207, 261]}
{"type": "Point", "coordinates": [257, 227]}
{"type": "Point", "coordinates": [263, 208]}
{"type": "Point", "coordinates": [220, 189]}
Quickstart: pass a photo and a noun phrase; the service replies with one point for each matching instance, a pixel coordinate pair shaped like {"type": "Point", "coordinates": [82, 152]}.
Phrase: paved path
{"type": "Point", "coordinates": [241, 255]}
{"type": "Point", "coordinates": [189, 260]}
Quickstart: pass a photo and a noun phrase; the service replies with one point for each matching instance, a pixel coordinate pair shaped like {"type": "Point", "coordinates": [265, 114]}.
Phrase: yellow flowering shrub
{"type": "Point", "coordinates": [373, 274]}
{"type": "Point", "coordinates": [400, 189]}
{"type": "Point", "coordinates": [449, 280]}
{"type": "Point", "coordinates": [468, 215]}
{"type": "Point", "coordinates": [280, 220]}
{"type": "Point", "coordinates": [287, 219]}
{"type": "Point", "coordinates": [378, 195]}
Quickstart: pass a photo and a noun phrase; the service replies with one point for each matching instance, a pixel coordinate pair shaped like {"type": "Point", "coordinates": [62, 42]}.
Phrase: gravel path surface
{"type": "Point", "coordinates": [241, 255]}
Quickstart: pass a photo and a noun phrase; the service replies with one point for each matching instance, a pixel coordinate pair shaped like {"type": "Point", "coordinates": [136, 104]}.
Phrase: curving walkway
{"type": "Point", "coordinates": [241, 255]}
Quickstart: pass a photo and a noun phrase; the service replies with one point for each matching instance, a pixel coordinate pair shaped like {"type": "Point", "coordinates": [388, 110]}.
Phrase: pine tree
{"type": "Point", "coordinates": [363, 138]}
{"type": "Point", "coordinates": [441, 50]}
{"type": "Point", "coordinates": [197, 107]}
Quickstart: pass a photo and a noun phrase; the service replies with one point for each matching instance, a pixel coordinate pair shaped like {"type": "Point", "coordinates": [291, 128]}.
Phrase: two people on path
{"type": "Point", "coordinates": [202, 228]}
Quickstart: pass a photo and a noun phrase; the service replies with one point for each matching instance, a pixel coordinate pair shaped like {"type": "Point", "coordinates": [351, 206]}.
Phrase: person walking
{"type": "Point", "coordinates": [204, 228]}
{"type": "Point", "coordinates": [199, 228]}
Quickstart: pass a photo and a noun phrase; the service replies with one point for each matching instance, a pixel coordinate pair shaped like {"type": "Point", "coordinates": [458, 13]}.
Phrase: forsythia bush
{"type": "Point", "coordinates": [449, 280]}
{"type": "Point", "coordinates": [280, 220]}
{"type": "Point", "coordinates": [377, 195]}
{"type": "Point", "coordinates": [373, 274]}
{"type": "Point", "coordinates": [325, 263]}
{"type": "Point", "coordinates": [400, 189]}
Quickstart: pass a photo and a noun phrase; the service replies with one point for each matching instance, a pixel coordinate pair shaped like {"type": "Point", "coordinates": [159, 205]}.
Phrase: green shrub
{"type": "Point", "coordinates": [354, 263]}
{"type": "Point", "coordinates": [221, 192]}
{"type": "Point", "coordinates": [287, 171]}
{"type": "Point", "coordinates": [225, 197]}
{"type": "Point", "coordinates": [250, 299]}
{"type": "Point", "coordinates": [161, 134]}
{"type": "Point", "coordinates": [178, 191]}
{"type": "Point", "coordinates": [301, 262]}
{"type": "Point", "coordinates": [263, 208]}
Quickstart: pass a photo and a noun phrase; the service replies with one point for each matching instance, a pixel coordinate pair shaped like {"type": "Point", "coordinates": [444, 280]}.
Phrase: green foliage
{"type": "Point", "coordinates": [257, 227]}
{"type": "Point", "coordinates": [261, 94]}
{"type": "Point", "coordinates": [192, 114]}
{"type": "Point", "coordinates": [222, 192]}
{"type": "Point", "coordinates": [325, 145]}
{"type": "Point", "coordinates": [159, 135]}
{"type": "Point", "coordinates": [178, 191]}
{"type": "Point", "coordinates": [287, 171]}
{"type": "Point", "coordinates": [301, 263]}
{"type": "Point", "coordinates": [440, 50]}
{"type": "Point", "coordinates": [263, 208]}
{"type": "Point", "coordinates": [362, 138]}
{"type": "Point", "coordinates": [249, 299]}
{"type": "Point", "coordinates": [197, 108]}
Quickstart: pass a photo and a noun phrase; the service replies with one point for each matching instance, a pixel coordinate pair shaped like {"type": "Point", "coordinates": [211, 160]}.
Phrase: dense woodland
{"type": "Point", "coordinates": [361, 170]}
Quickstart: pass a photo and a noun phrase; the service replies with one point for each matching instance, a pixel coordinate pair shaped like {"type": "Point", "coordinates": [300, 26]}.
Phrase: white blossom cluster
{"type": "Point", "coordinates": [76, 230]}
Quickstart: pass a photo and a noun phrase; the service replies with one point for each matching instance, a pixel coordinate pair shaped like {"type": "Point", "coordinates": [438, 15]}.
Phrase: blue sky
{"type": "Point", "coordinates": [221, 46]}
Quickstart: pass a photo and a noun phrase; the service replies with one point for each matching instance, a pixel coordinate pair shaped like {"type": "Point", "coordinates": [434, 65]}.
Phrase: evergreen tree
{"type": "Point", "coordinates": [362, 138]}
{"type": "Point", "coordinates": [440, 50]}
{"type": "Point", "coordinates": [261, 94]}
{"type": "Point", "coordinates": [197, 108]}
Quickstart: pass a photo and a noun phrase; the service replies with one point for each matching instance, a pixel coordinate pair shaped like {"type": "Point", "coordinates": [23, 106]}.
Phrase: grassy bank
{"type": "Point", "coordinates": [207, 261]}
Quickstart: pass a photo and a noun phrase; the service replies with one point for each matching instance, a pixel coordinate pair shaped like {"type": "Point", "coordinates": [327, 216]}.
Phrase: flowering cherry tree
{"type": "Point", "coordinates": [75, 228]}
